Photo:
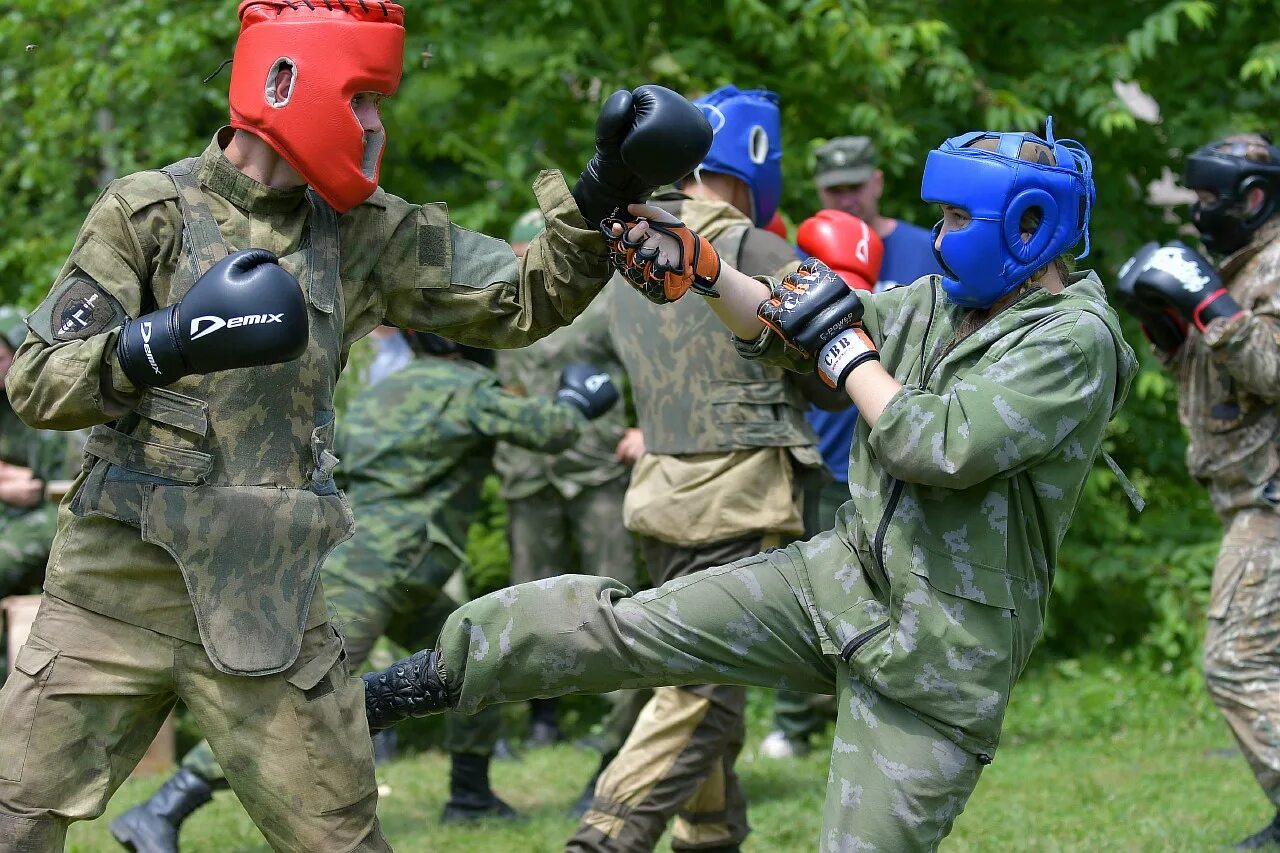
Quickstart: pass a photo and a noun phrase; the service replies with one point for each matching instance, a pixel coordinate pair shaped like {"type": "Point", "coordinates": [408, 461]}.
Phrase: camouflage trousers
{"type": "Point", "coordinates": [368, 600]}
{"type": "Point", "coordinates": [1242, 645]}
{"type": "Point", "coordinates": [896, 782]}
{"type": "Point", "coordinates": [799, 716]}
{"type": "Point", "coordinates": [89, 693]}
{"type": "Point", "coordinates": [549, 533]}
{"type": "Point", "coordinates": [678, 760]}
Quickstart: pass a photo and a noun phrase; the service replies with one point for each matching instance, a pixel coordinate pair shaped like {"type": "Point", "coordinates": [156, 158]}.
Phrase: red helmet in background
{"type": "Point", "coordinates": [777, 226]}
{"type": "Point", "coordinates": [845, 243]}
{"type": "Point", "coordinates": [336, 50]}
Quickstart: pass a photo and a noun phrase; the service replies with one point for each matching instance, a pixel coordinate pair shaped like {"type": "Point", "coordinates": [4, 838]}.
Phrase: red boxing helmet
{"type": "Point", "coordinates": [777, 226]}
{"type": "Point", "coordinates": [336, 49]}
{"type": "Point", "coordinates": [845, 243]}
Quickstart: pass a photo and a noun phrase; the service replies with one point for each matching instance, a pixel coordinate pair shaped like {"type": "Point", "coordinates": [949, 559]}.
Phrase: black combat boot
{"type": "Point", "coordinates": [153, 826]}
{"type": "Point", "coordinates": [470, 797]}
{"type": "Point", "coordinates": [413, 687]}
{"type": "Point", "coordinates": [1267, 838]}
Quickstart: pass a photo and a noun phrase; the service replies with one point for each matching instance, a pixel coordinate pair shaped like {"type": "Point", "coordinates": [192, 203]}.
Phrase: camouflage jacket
{"type": "Point", "coordinates": [1229, 384]}
{"type": "Point", "coordinates": [394, 262]}
{"type": "Point", "coordinates": [692, 394]}
{"type": "Point", "coordinates": [535, 371]}
{"type": "Point", "coordinates": [416, 448]}
{"type": "Point", "coordinates": [972, 474]}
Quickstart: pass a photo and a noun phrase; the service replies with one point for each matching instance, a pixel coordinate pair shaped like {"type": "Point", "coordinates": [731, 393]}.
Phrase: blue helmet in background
{"type": "Point", "coordinates": [984, 173]}
{"type": "Point", "coordinates": [747, 144]}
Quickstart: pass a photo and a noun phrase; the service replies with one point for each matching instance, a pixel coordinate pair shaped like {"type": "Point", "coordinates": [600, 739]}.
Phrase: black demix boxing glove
{"type": "Point", "coordinates": [587, 389]}
{"type": "Point", "coordinates": [245, 311]}
{"type": "Point", "coordinates": [1177, 276]}
{"type": "Point", "coordinates": [644, 139]}
{"type": "Point", "coordinates": [1162, 325]}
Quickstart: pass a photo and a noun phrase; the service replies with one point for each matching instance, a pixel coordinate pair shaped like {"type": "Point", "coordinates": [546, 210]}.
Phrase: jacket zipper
{"type": "Point", "coordinates": [851, 647]}
{"type": "Point", "coordinates": [926, 371]}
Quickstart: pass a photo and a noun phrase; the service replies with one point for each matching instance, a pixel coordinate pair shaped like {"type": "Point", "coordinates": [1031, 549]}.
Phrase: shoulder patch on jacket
{"type": "Point", "coordinates": [77, 308]}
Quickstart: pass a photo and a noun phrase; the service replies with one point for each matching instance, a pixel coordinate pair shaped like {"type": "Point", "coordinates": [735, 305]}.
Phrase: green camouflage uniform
{"type": "Point", "coordinates": [416, 450]}
{"type": "Point", "coordinates": [1230, 404]}
{"type": "Point", "coordinates": [695, 400]}
{"type": "Point", "coordinates": [918, 610]}
{"type": "Point", "coordinates": [186, 563]}
{"type": "Point", "coordinates": [565, 510]}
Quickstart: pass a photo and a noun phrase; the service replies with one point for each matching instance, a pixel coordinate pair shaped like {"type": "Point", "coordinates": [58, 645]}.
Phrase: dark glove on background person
{"type": "Point", "coordinates": [587, 389]}
{"type": "Point", "coordinates": [644, 139]}
{"type": "Point", "coordinates": [1161, 324]}
{"type": "Point", "coordinates": [246, 311]}
{"type": "Point", "coordinates": [1179, 277]}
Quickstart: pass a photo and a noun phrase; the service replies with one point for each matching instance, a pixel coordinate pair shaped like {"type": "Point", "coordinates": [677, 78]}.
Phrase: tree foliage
{"type": "Point", "coordinates": [495, 91]}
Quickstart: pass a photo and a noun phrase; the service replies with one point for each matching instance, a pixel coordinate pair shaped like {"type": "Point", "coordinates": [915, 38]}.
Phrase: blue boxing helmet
{"type": "Point", "coordinates": [997, 178]}
{"type": "Point", "coordinates": [747, 144]}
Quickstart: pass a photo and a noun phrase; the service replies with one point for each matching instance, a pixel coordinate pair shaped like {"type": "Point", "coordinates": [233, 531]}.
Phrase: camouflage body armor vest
{"type": "Point", "coordinates": [232, 472]}
{"type": "Point", "coordinates": [700, 396]}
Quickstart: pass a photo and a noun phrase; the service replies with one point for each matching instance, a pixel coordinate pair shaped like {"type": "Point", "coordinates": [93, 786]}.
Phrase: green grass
{"type": "Point", "coordinates": [1096, 758]}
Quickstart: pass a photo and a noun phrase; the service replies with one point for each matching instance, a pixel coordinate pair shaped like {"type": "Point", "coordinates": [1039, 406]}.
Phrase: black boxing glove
{"type": "Point", "coordinates": [1178, 276]}
{"type": "Point", "coordinates": [245, 311]}
{"type": "Point", "coordinates": [644, 139]}
{"type": "Point", "coordinates": [587, 389]}
{"type": "Point", "coordinates": [1161, 324]}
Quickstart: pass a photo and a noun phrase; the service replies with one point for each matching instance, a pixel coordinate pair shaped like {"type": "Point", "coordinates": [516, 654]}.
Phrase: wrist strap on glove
{"type": "Point", "coordinates": [847, 350]}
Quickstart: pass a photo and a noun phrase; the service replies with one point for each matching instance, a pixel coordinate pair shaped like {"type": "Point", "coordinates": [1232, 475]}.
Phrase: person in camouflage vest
{"type": "Point", "coordinates": [418, 446]}
{"type": "Point", "coordinates": [199, 326]}
{"type": "Point", "coordinates": [564, 510]}
{"type": "Point", "coordinates": [1217, 329]}
{"type": "Point", "coordinates": [984, 396]}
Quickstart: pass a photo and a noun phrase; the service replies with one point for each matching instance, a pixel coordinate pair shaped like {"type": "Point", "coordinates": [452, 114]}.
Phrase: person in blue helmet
{"type": "Point", "coordinates": [984, 395]}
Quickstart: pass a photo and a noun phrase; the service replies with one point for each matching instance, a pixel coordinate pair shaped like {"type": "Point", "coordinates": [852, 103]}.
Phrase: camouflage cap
{"type": "Point", "coordinates": [845, 160]}
{"type": "Point", "coordinates": [528, 226]}
{"type": "Point", "coordinates": [13, 329]}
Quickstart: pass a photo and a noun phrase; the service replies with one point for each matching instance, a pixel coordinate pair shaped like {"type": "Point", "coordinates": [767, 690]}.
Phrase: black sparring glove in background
{"type": "Point", "coordinates": [1162, 325]}
{"type": "Point", "coordinates": [587, 389]}
{"type": "Point", "coordinates": [1179, 277]}
{"type": "Point", "coordinates": [245, 311]}
{"type": "Point", "coordinates": [644, 139]}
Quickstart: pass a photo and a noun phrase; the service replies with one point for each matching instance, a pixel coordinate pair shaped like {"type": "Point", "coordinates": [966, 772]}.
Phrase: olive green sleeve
{"type": "Point", "coordinates": [65, 375]}
{"type": "Point", "coordinates": [534, 423]}
{"type": "Point", "coordinates": [436, 276]}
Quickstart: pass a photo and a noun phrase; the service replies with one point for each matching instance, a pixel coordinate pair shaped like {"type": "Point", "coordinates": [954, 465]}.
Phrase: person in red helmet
{"type": "Point", "coordinates": [199, 327]}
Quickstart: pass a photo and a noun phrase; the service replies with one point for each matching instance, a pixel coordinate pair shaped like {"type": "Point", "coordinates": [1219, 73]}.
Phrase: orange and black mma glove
{"type": "Point", "coordinates": [664, 263]}
{"type": "Point", "coordinates": [816, 313]}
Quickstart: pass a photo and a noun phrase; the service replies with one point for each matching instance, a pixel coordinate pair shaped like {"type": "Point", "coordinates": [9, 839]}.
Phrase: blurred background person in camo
{"type": "Point", "coordinates": [28, 459]}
